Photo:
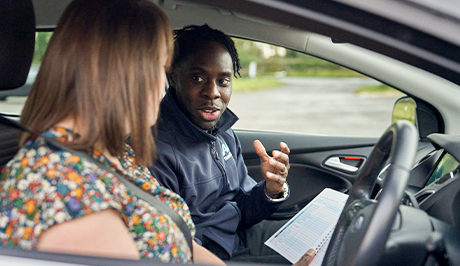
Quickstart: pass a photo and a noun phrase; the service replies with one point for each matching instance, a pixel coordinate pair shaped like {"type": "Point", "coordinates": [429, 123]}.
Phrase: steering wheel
{"type": "Point", "coordinates": [364, 225]}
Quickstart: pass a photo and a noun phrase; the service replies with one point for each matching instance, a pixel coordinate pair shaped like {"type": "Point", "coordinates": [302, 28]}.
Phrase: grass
{"type": "Point", "coordinates": [328, 73]}
{"type": "Point", "coordinates": [247, 84]}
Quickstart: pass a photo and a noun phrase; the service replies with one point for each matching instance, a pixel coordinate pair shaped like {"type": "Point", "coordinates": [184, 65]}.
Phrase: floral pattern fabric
{"type": "Point", "coordinates": [43, 186]}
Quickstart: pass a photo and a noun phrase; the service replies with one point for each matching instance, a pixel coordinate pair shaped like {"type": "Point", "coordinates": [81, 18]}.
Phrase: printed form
{"type": "Point", "coordinates": [310, 228]}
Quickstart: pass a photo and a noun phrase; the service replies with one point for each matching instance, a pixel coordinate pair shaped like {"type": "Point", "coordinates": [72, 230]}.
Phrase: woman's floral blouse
{"type": "Point", "coordinates": [43, 186]}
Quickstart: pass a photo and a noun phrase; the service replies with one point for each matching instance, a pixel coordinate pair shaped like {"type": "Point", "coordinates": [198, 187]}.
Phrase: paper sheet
{"type": "Point", "coordinates": [310, 228]}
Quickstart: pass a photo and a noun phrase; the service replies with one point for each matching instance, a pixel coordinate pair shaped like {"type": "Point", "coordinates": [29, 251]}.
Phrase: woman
{"type": "Point", "coordinates": [101, 79]}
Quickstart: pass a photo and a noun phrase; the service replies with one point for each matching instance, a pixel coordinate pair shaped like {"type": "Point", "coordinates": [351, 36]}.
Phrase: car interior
{"type": "Point", "coordinates": [405, 184]}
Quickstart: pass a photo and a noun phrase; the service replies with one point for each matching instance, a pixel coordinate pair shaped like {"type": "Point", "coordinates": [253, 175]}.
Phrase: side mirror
{"type": "Point", "coordinates": [405, 108]}
{"type": "Point", "coordinates": [420, 113]}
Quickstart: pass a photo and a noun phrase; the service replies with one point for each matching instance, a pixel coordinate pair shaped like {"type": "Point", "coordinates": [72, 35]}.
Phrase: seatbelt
{"type": "Point", "coordinates": [152, 200]}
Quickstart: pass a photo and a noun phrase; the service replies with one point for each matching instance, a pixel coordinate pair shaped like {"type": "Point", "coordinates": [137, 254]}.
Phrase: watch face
{"type": "Point", "coordinates": [285, 190]}
{"type": "Point", "coordinates": [282, 196]}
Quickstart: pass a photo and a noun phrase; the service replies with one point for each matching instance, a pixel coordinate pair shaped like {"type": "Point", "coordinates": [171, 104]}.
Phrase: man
{"type": "Point", "coordinates": [199, 155]}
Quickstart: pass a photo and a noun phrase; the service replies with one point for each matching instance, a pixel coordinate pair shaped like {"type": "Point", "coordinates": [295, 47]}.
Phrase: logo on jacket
{"type": "Point", "coordinates": [226, 151]}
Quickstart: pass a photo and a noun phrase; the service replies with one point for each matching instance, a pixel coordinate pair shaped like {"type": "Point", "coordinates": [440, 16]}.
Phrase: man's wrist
{"type": "Point", "coordinates": [274, 195]}
{"type": "Point", "coordinates": [278, 196]}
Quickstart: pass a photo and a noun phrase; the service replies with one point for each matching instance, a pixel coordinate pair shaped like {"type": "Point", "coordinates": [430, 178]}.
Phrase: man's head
{"type": "Point", "coordinates": [204, 63]}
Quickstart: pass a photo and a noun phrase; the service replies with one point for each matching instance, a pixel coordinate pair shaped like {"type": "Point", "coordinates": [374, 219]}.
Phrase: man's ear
{"type": "Point", "coordinates": [172, 77]}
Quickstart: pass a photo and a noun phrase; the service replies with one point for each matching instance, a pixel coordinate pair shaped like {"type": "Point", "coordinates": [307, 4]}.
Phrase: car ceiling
{"type": "Point", "coordinates": [183, 13]}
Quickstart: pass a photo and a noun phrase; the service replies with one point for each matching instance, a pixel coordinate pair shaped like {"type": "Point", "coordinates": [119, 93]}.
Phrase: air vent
{"type": "Point", "coordinates": [420, 197]}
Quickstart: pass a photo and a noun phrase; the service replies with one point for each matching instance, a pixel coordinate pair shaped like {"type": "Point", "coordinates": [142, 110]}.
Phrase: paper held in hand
{"type": "Point", "coordinates": [310, 228]}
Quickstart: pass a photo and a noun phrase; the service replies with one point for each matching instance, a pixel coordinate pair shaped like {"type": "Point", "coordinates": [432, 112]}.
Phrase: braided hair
{"type": "Point", "coordinates": [187, 39]}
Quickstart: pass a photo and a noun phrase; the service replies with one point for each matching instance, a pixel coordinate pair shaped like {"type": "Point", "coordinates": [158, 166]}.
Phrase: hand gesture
{"type": "Point", "coordinates": [274, 169]}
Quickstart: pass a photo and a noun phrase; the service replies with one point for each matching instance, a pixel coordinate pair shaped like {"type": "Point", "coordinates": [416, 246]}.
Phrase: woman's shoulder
{"type": "Point", "coordinates": [50, 175]}
{"type": "Point", "coordinates": [37, 158]}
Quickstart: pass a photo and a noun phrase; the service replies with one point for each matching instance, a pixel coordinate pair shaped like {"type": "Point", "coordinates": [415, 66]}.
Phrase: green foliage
{"type": "Point", "coordinates": [293, 63]}
{"type": "Point", "coordinates": [41, 43]}
{"type": "Point", "coordinates": [382, 88]}
{"type": "Point", "coordinates": [247, 84]}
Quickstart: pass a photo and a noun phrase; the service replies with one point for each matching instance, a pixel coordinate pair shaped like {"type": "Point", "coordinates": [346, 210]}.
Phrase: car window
{"type": "Point", "coordinates": [284, 90]}
{"type": "Point", "coordinates": [447, 165]}
{"type": "Point", "coordinates": [280, 90]}
{"type": "Point", "coordinates": [12, 101]}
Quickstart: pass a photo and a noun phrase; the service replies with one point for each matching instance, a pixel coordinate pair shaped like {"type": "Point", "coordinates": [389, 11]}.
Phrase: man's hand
{"type": "Point", "coordinates": [306, 258]}
{"type": "Point", "coordinates": [274, 169]}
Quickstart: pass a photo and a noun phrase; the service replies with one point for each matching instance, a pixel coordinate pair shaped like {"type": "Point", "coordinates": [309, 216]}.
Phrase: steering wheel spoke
{"type": "Point", "coordinates": [355, 207]}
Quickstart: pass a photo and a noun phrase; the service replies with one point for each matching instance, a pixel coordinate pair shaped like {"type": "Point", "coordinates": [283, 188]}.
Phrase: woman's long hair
{"type": "Point", "coordinates": [102, 68]}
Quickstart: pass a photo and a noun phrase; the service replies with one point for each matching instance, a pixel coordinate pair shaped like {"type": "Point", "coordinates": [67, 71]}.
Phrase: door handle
{"type": "Point", "coordinates": [338, 163]}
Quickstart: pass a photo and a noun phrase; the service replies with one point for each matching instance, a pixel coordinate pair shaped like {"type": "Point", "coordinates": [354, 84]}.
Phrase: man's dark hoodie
{"type": "Point", "coordinates": [208, 171]}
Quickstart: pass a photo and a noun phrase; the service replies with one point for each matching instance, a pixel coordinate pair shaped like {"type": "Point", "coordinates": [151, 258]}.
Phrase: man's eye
{"type": "Point", "coordinates": [224, 82]}
{"type": "Point", "coordinates": [197, 78]}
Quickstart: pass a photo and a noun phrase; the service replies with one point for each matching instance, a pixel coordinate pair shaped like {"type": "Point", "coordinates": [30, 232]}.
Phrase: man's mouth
{"type": "Point", "coordinates": [209, 113]}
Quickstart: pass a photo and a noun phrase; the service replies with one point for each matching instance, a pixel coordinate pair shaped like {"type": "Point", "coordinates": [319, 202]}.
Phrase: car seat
{"type": "Point", "coordinates": [17, 42]}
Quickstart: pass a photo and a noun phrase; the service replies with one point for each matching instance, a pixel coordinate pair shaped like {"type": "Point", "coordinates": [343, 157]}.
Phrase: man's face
{"type": "Point", "coordinates": [203, 83]}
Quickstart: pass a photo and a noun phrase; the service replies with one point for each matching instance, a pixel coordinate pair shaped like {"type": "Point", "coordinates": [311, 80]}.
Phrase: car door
{"type": "Point", "coordinates": [317, 162]}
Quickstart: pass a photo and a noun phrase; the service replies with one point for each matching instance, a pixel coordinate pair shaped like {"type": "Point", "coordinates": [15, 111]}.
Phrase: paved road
{"type": "Point", "coordinates": [309, 105]}
{"type": "Point", "coordinates": [315, 105]}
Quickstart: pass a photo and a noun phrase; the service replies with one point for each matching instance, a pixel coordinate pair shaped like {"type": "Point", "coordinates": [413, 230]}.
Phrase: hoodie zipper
{"type": "Point", "coordinates": [219, 162]}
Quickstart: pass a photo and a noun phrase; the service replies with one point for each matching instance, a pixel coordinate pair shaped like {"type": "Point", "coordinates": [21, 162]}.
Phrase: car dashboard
{"type": "Point", "coordinates": [440, 197]}
{"type": "Point", "coordinates": [434, 184]}
{"type": "Point", "coordinates": [430, 207]}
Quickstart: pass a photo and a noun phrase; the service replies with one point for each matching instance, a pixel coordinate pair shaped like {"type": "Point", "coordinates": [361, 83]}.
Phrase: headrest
{"type": "Point", "coordinates": [17, 42]}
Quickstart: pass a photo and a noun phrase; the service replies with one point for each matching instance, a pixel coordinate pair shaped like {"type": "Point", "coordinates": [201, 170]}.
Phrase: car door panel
{"type": "Point", "coordinates": [309, 174]}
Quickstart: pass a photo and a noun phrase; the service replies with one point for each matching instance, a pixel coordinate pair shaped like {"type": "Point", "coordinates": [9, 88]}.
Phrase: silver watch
{"type": "Point", "coordinates": [282, 196]}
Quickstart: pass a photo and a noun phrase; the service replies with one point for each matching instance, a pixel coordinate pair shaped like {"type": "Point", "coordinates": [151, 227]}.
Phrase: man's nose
{"type": "Point", "coordinates": [211, 90]}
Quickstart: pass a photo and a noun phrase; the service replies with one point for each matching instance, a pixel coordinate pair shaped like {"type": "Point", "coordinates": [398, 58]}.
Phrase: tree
{"type": "Point", "coordinates": [41, 43]}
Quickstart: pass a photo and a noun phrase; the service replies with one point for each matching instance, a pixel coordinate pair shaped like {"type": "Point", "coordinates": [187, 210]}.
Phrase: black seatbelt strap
{"type": "Point", "coordinates": [142, 194]}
